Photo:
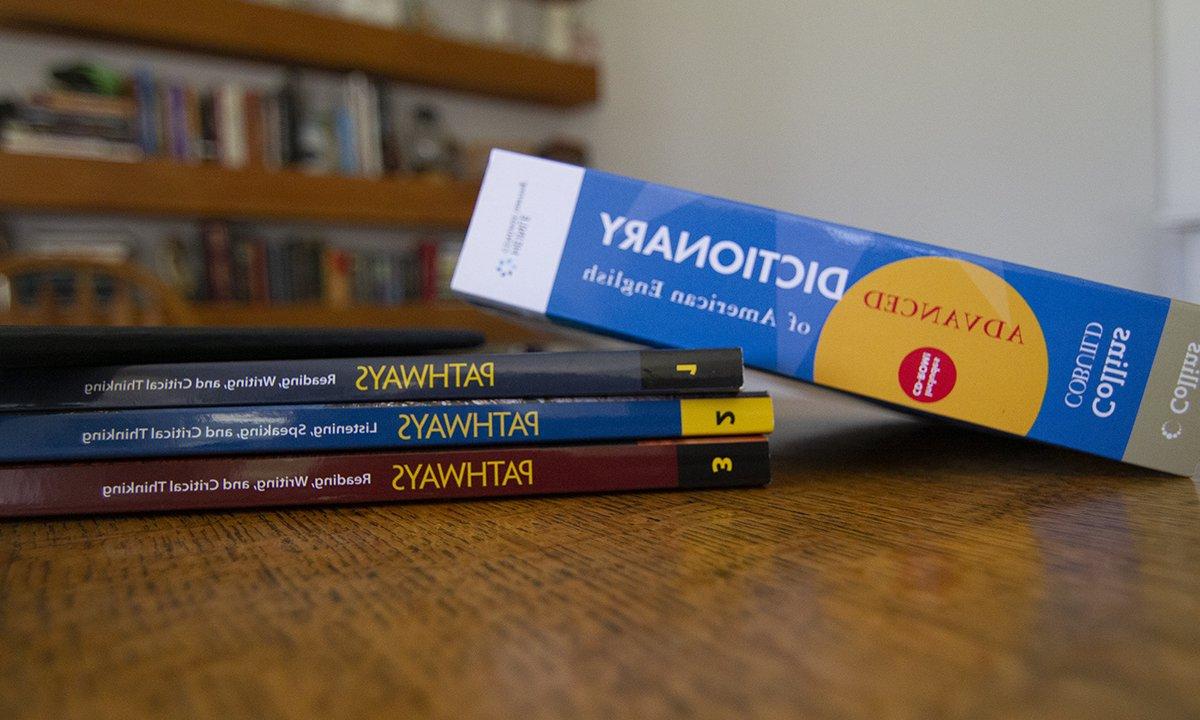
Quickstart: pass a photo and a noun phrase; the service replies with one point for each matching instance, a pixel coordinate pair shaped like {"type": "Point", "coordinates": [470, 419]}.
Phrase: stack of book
{"type": "Point", "coordinates": [326, 431]}
{"type": "Point", "coordinates": [75, 124]}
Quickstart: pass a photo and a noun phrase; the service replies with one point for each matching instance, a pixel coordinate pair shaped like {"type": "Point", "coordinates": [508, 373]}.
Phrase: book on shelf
{"type": "Point", "coordinates": [337, 266]}
{"type": "Point", "coordinates": [25, 141]}
{"type": "Point", "coordinates": [381, 477]}
{"type": "Point", "coordinates": [255, 123]}
{"type": "Point", "coordinates": [218, 261]}
{"type": "Point", "coordinates": [1054, 358]}
{"type": "Point", "coordinates": [231, 141]}
{"type": "Point", "coordinates": [178, 130]}
{"type": "Point", "coordinates": [84, 104]}
{"type": "Point", "coordinates": [243, 430]}
{"type": "Point", "coordinates": [34, 118]}
{"type": "Point", "coordinates": [292, 113]}
{"type": "Point", "coordinates": [147, 112]}
{"type": "Point", "coordinates": [427, 257]}
{"type": "Point", "coordinates": [372, 379]}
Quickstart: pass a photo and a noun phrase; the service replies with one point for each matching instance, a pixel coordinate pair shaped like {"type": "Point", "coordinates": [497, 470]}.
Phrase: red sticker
{"type": "Point", "coordinates": [927, 374]}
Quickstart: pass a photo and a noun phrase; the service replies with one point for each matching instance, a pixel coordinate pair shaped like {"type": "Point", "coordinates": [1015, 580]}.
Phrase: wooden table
{"type": "Point", "coordinates": [894, 569]}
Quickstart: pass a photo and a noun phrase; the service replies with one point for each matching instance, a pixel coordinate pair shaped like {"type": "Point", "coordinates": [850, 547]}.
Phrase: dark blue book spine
{"type": "Point", "coordinates": [147, 111]}
{"type": "Point", "coordinates": [575, 374]}
{"type": "Point", "coordinates": [303, 428]}
{"type": "Point", "coordinates": [177, 113]}
{"type": "Point", "coordinates": [346, 132]}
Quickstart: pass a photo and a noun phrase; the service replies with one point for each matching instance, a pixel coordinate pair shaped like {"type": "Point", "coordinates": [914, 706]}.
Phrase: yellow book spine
{"type": "Point", "coordinates": [747, 415]}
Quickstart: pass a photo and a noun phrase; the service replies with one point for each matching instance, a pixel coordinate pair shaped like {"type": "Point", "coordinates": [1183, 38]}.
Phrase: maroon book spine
{"type": "Point", "coordinates": [332, 479]}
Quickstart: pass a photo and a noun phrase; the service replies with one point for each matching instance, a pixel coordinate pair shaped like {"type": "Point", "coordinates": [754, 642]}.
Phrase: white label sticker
{"type": "Point", "coordinates": [516, 237]}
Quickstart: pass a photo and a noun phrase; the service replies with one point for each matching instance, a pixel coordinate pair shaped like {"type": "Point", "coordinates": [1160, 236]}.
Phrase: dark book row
{"type": "Point", "coordinates": [226, 263]}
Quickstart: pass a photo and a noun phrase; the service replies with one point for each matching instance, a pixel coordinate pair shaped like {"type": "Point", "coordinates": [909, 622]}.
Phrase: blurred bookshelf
{"type": "Point", "coordinates": [206, 185]}
{"type": "Point", "coordinates": [239, 29]}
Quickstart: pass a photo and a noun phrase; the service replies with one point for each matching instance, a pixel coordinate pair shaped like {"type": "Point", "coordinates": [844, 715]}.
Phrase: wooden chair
{"type": "Point", "coordinates": [83, 291]}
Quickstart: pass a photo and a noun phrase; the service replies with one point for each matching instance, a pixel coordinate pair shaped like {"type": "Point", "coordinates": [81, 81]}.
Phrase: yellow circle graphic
{"type": "Point", "coordinates": [956, 307]}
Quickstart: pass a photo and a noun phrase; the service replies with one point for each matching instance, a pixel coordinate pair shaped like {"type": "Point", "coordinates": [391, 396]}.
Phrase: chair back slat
{"type": "Point", "coordinates": [84, 291]}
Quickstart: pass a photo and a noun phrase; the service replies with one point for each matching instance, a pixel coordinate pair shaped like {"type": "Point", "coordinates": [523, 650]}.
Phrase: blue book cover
{"type": "Point", "coordinates": [933, 330]}
{"type": "Point", "coordinates": [280, 382]}
{"type": "Point", "coordinates": [302, 428]}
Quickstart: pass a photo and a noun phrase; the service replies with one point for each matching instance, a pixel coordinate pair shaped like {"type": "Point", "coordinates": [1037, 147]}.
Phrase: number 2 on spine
{"type": "Point", "coordinates": [723, 415]}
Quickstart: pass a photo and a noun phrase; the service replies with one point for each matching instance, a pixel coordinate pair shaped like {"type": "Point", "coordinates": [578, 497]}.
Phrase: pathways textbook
{"type": "Point", "coordinates": [561, 374]}
{"type": "Point", "coordinates": [312, 428]}
{"type": "Point", "coordinates": [1047, 356]}
{"type": "Point", "coordinates": [448, 474]}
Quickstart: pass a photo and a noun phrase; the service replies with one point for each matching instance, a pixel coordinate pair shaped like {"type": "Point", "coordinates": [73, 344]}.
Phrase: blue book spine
{"type": "Point", "coordinates": [346, 146]}
{"type": "Point", "coordinates": [147, 111]}
{"type": "Point", "coordinates": [180, 149]}
{"type": "Point", "coordinates": [566, 374]}
{"type": "Point", "coordinates": [304, 428]}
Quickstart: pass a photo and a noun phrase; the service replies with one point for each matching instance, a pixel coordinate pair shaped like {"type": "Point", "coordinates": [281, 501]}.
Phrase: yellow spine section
{"type": "Point", "coordinates": [727, 416]}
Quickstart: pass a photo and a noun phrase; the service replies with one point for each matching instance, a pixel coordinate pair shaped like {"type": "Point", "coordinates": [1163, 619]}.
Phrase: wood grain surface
{"type": "Point", "coordinates": [158, 187]}
{"type": "Point", "coordinates": [895, 569]}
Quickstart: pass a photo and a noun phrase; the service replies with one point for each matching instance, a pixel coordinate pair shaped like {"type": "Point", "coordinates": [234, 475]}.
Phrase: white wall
{"type": "Point", "coordinates": [1014, 128]}
{"type": "Point", "coordinates": [1179, 86]}
{"type": "Point", "coordinates": [1179, 80]}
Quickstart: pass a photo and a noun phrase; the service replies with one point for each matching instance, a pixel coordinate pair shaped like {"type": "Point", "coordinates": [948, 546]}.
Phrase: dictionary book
{"type": "Point", "coordinates": [515, 375]}
{"type": "Point", "coordinates": [377, 477]}
{"type": "Point", "coordinates": [1047, 356]}
{"type": "Point", "coordinates": [262, 429]}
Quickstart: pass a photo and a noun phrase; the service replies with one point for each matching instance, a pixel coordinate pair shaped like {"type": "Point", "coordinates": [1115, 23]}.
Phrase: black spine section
{"type": "Point", "coordinates": [733, 464]}
{"type": "Point", "coordinates": [687, 370]}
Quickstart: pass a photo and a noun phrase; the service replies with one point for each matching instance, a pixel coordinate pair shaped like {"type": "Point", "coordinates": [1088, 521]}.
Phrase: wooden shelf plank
{"type": "Point", "coordinates": [168, 188]}
{"type": "Point", "coordinates": [236, 28]}
{"type": "Point", "coordinates": [437, 314]}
